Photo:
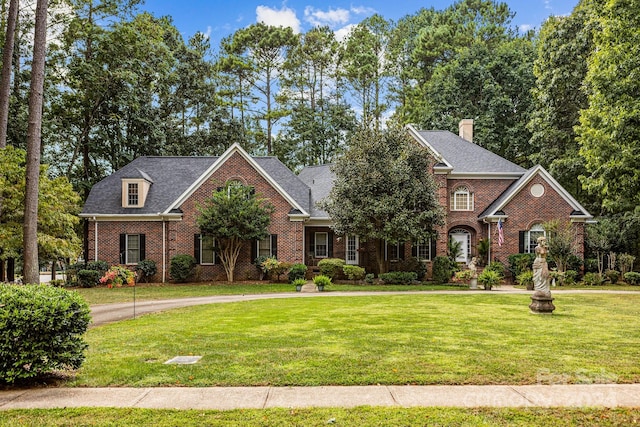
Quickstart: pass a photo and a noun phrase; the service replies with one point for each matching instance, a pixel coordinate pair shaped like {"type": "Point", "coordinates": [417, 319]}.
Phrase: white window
{"type": "Point", "coordinates": [322, 245]}
{"type": "Point", "coordinates": [394, 251]}
{"type": "Point", "coordinates": [207, 253]}
{"type": "Point", "coordinates": [133, 249]}
{"type": "Point", "coordinates": [264, 247]}
{"type": "Point", "coordinates": [422, 251]}
{"type": "Point", "coordinates": [531, 238]}
{"type": "Point", "coordinates": [352, 250]}
{"type": "Point", "coordinates": [462, 199]}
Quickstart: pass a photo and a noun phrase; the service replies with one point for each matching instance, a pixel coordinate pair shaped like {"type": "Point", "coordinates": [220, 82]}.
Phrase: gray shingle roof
{"type": "Point", "coordinates": [319, 179]}
{"type": "Point", "coordinates": [171, 177]}
{"type": "Point", "coordinates": [467, 157]}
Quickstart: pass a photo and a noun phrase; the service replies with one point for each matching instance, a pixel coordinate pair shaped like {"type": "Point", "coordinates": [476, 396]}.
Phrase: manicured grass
{"type": "Point", "coordinates": [361, 416]}
{"type": "Point", "coordinates": [394, 339]}
{"type": "Point", "coordinates": [104, 295]}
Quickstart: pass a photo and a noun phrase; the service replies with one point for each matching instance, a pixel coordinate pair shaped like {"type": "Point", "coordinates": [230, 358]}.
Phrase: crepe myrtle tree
{"type": "Point", "coordinates": [383, 191]}
{"type": "Point", "coordinates": [232, 215]}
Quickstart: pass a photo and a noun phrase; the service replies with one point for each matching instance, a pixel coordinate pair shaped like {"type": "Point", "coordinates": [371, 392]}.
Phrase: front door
{"type": "Point", "coordinates": [463, 237]}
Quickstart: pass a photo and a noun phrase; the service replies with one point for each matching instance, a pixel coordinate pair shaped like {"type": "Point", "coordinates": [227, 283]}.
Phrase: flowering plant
{"type": "Point", "coordinates": [118, 276]}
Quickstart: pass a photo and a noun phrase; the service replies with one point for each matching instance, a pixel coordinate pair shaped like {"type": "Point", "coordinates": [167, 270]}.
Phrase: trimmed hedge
{"type": "Point", "coordinates": [89, 278]}
{"type": "Point", "coordinates": [442, 269]}
{"type": "Point", "coordinates": [331, 267]}
{"type": "Point", "coordinates": [41, 330]}
{"type": "Point", "coordinates": [353, 272]}
{"type": "Point", "coordinates": [297, 271]}
{"type": "Point", "coordinates": [398, 277]}
{"type": "Point", "coordinates": [182, 267]}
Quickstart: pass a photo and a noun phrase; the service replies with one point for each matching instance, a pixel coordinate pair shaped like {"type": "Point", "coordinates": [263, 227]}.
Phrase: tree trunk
{"type": "Point", "coordinates": [31, 268]}
{"type": "Point", "coordinates": [382, 265]}
{"type": "Point", "coordinates": [5, 79]}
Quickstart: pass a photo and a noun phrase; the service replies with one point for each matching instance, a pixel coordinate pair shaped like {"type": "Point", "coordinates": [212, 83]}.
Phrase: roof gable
{"type": "Point", "coordinates": [494, 210]}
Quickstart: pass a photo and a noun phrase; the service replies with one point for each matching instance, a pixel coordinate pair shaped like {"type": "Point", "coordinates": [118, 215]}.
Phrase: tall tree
{"type": "Point", "coordinates": [563, 47]}
{"type": "Point", "coordinates": [31, 267]}
{"type": "Point", "coordinates": [609, 130]}
{"type": "Point", "coordinates": [5, 79]}
{"type": "Point", "coordinates": [263, 49]}
{"type": "Point", "coordinates": [383, 191]}
{"type": "Point", "coordinates": [234, 215]}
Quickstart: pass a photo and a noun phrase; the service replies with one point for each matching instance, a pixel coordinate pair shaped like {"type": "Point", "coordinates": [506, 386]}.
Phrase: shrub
{"type": "Point", "coordinates": [118, 276]}
{"type": "Point", "coordinates": [632, 278]}
{"type": "Point", "coordinates": [591, 265]}
{"type": "Point", "coordinates": [464, 275]}
{"type": "Point", "coordinates": [259, 263]}
{"type": "Point", "coordinates": [41, 330]}
{"type": "Point", "coordinates": [612, 276]}
{"type": "Point", "coordinates": [275, 268]}
{"type": "Point", "coordinates": [570, 277]}
{"type": "Point", "coordinates": [299, 282]}
{"type": "Point", "coordinates": [59, 283]}
{"type": "Point", "coordinates": [489, 278]}
{"type": "Point", "coordinates": [147, 269]}
{"type": "Point", "coordinates": [100, 266]}
{"type": "Point", "coordinates": [331, 267]}
{"type": "Point", "coordinates": [496, 266]}
{"type": "Point", "coordinates": [369, 278]}
{"type": "Point", "coordinates": [526, 279]}
{"type": "Point", "coordinates": [297, 271]}
{"type": "Point", "coordinates": [182, 267]}
{"type": "Point", "coordinates": [520, 262]}
{"type": "Point", "coordinates": [88, 278]}
{"type": "Point", "coordinates": [353, 272]}
{"type": "Point", "coordinates": [398, 277]}
{"type": "Point", "coordinates": [592, 279]}
{"type": "Point", "coordinates": [321, 280]}
{"type": "Point", "coordinates": [413, 264]}
{"type": "Point", "coordinates": [442, 269]}
{"type": "Point", "coordinates": [625, 261]}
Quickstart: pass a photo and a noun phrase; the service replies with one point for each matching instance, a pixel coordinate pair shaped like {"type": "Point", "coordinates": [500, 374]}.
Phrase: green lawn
{"type": "Point", "coordinates": [103, 295]}
{"type": "Point", "coordinates": [362, 416]}
{"type": "Point", "coordinates": [394, 339]}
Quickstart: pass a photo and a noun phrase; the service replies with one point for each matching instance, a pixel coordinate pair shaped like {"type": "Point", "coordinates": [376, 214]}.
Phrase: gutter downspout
{"type": "Point", "coordinates": [95, 239]}
{"type": "Point", "coordinates": [164, 249]}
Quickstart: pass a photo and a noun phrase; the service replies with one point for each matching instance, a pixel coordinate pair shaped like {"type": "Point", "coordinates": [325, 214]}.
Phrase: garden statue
{"type": "Point", "coordinates": [474, 273]}
{"type": "Point", "coordinates": [541, 300]}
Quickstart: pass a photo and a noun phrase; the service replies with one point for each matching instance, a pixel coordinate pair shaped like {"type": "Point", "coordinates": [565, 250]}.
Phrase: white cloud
{"type": "Point", "coordinates": [525, 27]}
{"type": "Point", "coordinates": [343, 32]}
{"type": "Point", "coordinates": [363, 10]}
{"type": "Point", "coordinates": [331, 18]}
{"type": "Point", "coordinates": [284, 17]}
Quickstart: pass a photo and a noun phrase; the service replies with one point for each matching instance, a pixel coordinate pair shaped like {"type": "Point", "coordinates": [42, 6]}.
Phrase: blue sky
{"type": "Point", "coordinates": [220, 18]}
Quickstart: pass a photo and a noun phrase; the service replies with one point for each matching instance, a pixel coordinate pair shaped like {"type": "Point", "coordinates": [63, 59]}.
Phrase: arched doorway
{"type": "Point", "coordinates": [464, 237]}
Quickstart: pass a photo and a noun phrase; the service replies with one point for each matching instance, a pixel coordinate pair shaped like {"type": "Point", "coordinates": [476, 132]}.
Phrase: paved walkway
{"type": "Point", "coordinates": [223, 398]}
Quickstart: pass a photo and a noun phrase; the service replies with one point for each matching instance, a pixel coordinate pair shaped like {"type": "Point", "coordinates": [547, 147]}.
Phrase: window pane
{"type": "Point", "coordinates": [133, 249]}
{"type": "Point", "coordinates": [207, 255]}
{"type": "Point", "coordinates": [321, 245]}
{"type": "Point", "coordinates": [352, 249]}
{"type": "Point", "coordinates": [264, 247]}
{"type": "Point", "coordinates": [133, 194]}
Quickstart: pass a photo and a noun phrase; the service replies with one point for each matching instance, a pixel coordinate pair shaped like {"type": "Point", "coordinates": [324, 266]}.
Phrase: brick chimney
{"type": "Point", "coordinates": [465, 129]}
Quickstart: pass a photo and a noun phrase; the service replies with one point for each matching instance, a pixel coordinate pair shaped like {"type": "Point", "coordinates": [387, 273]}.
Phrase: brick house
{"type": "Point", "coordinates": [147, 209]}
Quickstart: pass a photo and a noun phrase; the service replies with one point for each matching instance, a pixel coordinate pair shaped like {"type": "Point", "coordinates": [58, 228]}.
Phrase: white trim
{"type": "Point", "coordinates": [138, 217]}
{"type": "Point", "coordinates": [235, 148]}
{"type": "Point", "coordinates": [315, 244]}
{"type": "Point", "coordinates": [356, 261]}
{"type": "Point", "coordinates": [486, 175]}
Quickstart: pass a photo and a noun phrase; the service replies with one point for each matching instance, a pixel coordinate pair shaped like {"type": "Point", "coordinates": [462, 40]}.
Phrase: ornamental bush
{"type": "Point", "coordinates": [526, 279]}
{"type": "Point", "coordinates": [297, 271]}
{"type": "Point", "coordinates": [413, 264]}
{"type": "Point", "coordinates": [592, 279]}
{"type": "Point", "coordinates": [489, 278]}
{"type": "Point", "coordinates": [442, 269]}
{"type": "Point", "coordinates": [398, 277]}
{"type": "Point", "coordinates": [147, 269]}
{"type": "Point", "coordinates": [353, 272]}
{"type": "Point", "coordinates": [41, 330]}
{"type": "Point", "coordinates": [88, 278]}
{"type": "Point", "coordinates": [331, 267]}
{"type": "Point", "coordinates": [632, 278]}
{"type": "Point", "coordinates": [182, 267]}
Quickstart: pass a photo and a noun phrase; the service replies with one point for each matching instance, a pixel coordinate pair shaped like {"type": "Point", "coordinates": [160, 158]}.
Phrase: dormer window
{"type": "Point", "coordinates": [134, 192]}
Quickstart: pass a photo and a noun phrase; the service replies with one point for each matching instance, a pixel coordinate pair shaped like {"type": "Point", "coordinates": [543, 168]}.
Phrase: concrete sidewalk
{"type": "Point", "coordinates": [225, 398]}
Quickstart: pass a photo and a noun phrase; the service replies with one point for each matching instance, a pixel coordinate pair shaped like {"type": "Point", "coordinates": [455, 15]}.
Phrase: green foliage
{"type": "Point", "coordinates": [353, 272]}
{"type": "Point", "coordinates": [484, 245]}
{"type": "Point", "coordinates": [369, 278]}
{"type": "Point", "coordinates": [525, 278]}
{"type": "Point", "coordinates": [442, 269]}
{"type": "Point", "coordinates": [118, 276]}
{"type": "Point", "coordinates": [41, 330]}
{"type": "Point", "coordinates": [275, 268]}
{"type": "Point", "coordinates": [322, 280]}
{"type": "Point", "coordinates": [489, 278]}
{"type": "Point", "coordinates": [100, 266]}
{"type": "Point", "coordinates": [398, 277]}
{"type": "Point", "coordinates": [182, 267]}
{"type": "Point", "coordinates": [632, 278]}
{"type": "Point", "coordinates": [299, 282]}
{"type": "Point", "coordinates": [146, 268]}
{"type": "Point", "coordinates": [383, 190]}
{"type": "Point", "coordinates": [297, 271]}
{"type": "Point", "coordinates": [570, 277]}
{"type": "Point", "coordinates": [58, 283]}
{"type": "Point", "coordinates": [234, 215]}
{"type": "Point", "coordinates": [88, 278]}
{"type": "Point", "coordinates": [520, 262]}
{"type": "Point", "coordinates": [612, 276]}
{"type": "Point", "coordinates": [412, 264]}
{"type": "Point", "coordinates": [496, 266]}
{"type": "Point", "coordinates": [625, 261]}
{"type": "Point", "coordinates": [331, 267]}
{"type": "Point", "coordinates": [592, 279]}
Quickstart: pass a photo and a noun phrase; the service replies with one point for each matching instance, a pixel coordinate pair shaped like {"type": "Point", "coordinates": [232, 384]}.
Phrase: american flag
{"type": "Point", "coordinates": [500, 233]}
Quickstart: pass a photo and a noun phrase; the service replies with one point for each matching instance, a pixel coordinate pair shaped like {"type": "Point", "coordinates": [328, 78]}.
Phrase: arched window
{"type": "Point", "coordinates": [531, 239]}
{"type": "Point", "coordinates": [462, 199]}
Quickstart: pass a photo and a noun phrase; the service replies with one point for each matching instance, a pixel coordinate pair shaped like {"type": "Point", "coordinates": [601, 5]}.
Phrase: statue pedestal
{"type": "Point", "coordinates": [473, 284]}
{"type": "Point", "coordinates": [542, 303]}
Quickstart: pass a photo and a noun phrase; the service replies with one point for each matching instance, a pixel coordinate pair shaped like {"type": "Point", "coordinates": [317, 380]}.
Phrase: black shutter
{"type": "Point", "coordinates": [432, 243]}
{"type": "Point", "coordinates": [312, 244]}
{"type": "Point", "coordinates": [196, 248]}
{"type": "Point", "coordinates": [274, 245]}
{"type": "Point", "coordinates": [218, 189]}
{"type": "Point", "coordinates": [216, 258]}
{"type": "Point", "coordinates": [254, 250]}
{"type": "Point", "coordinates": [401, 248]}
{"type": "Point", "coordinates": [414, 251]}
{"type": "Point", "coordinates": [330, 244]}
{"type": "Point", "coordinates": [143, 247]}
{"type": "Point", "coordinates": [123, 249]}
{"type": "Point", "coordinates": [521, 235]}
